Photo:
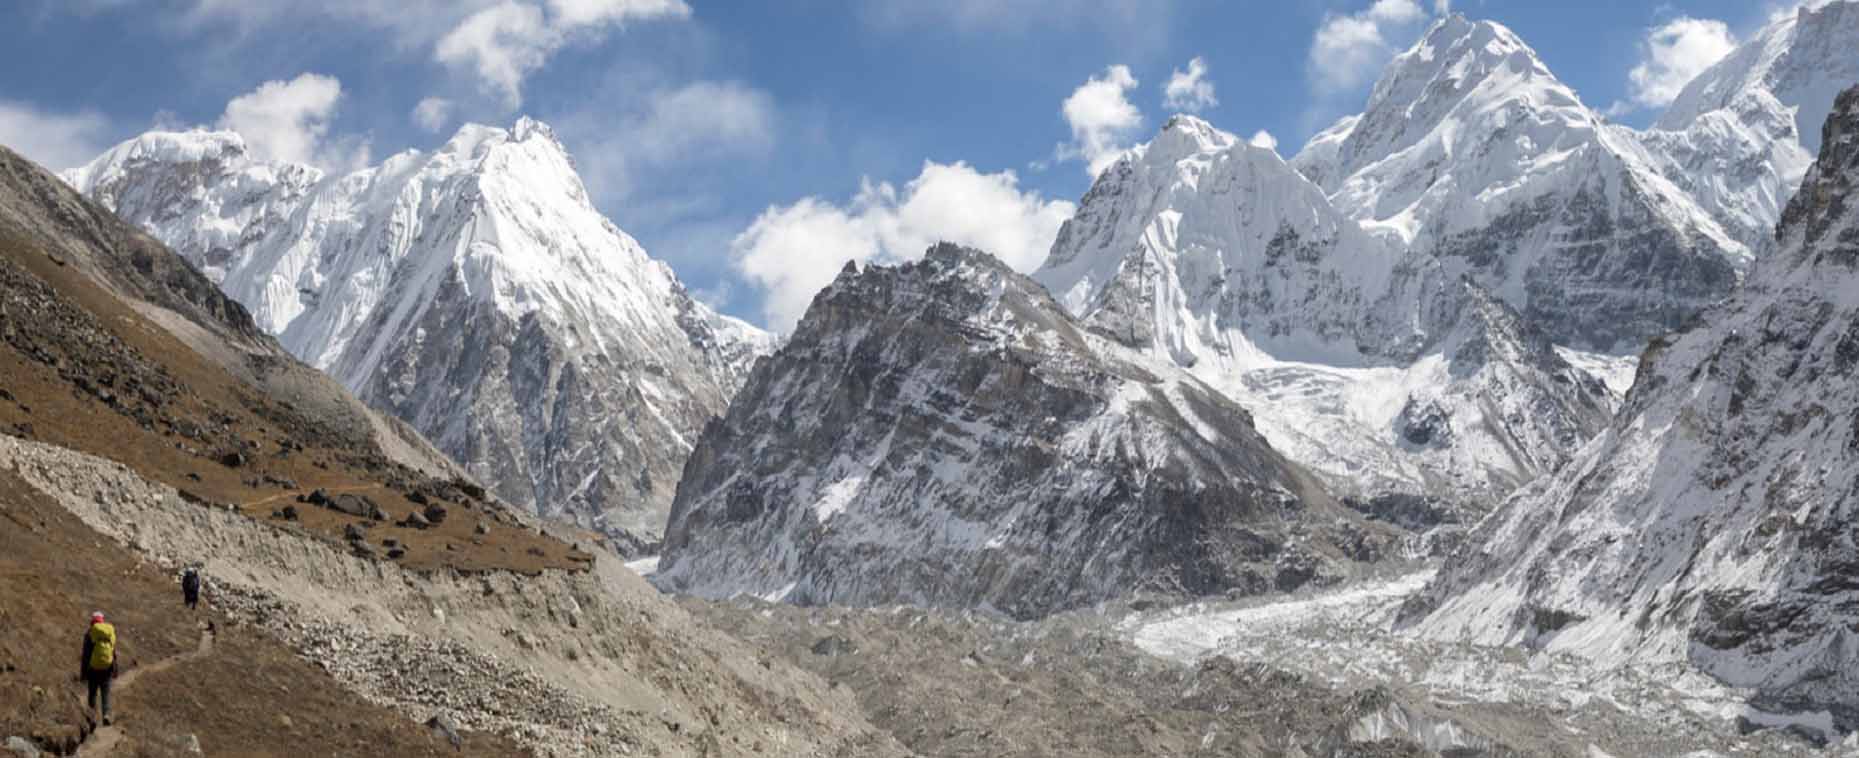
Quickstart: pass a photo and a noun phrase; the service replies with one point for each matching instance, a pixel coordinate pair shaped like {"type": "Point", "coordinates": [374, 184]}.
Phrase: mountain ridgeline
{"type": "Point", "coordinates": [1712, 522]}
{"type": "Point", "coordinates": [944, 433]}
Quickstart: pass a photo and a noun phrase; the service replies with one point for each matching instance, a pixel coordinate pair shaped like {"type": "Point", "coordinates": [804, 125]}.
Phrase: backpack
{"type": "Point", "coordinates": [102, 646]}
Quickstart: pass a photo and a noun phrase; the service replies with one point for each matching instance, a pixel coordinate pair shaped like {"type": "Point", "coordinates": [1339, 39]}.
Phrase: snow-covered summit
{"type": "Point", "coordinates": [1471, 150]}
{"type": "Point", "coordinates": [1801, 61]}
{"type": "Point", "coordinates": [434, 283]}
{"type": "Point", "coordinates": [1376, 366]}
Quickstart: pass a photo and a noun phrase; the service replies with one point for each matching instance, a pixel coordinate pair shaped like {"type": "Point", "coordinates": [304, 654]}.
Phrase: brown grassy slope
{"type": "Point", "coordinates": [54, 571]}
{"type": "Point", "coordinates": [92, 357]}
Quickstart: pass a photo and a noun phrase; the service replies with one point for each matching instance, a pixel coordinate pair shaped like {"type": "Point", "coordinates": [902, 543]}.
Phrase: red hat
{"type": "Point", "coordinates": [97, 617]}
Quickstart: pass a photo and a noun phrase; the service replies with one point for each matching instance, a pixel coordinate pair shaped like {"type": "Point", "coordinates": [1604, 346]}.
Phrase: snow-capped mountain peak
{"type": "Point", "coordinates": [1801, 60]}
{"type": "Point", "coordinates": [473, 290]}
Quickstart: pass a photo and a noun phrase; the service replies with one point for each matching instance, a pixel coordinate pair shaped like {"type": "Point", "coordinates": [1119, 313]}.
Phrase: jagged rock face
{"type": "Point", "coordinates": [1471, 150]}
{"type": "Point", "coordinates": [945, 434]}
{"type": "Point", "coordinates": [1379, 368]}
{"type": "Point", "coordinates": [1713, 521]}
{"type": "Point", "coordinates": [473, 292]}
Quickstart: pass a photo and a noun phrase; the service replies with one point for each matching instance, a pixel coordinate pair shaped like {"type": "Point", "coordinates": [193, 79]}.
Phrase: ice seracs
{"type": "Point", "coordinates": [473, 291]}
{"type": "Point", "coordinates": [1712, 522]}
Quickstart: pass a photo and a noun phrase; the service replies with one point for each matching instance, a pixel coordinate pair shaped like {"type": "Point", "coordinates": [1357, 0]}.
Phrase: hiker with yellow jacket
{"type": "Point", "coordinates": [99, 662]}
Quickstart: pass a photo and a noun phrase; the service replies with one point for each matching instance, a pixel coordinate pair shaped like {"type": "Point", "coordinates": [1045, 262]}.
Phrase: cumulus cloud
{"type": "Point", "coordinates": [1190, 91]}
{"type": "Point", "coordinates": [791, 252]}
{"type": "Point", "coordinates": [1675, 53]}
{"type": "Point", "coordinates": [1264, 139]}
{"type": "Point", "coordinates": [1102, 119]}
{"type": "Point", "coordinates": [674, 126]}
{"type": "Point", "coordinates": [499, 42]}
{"type": "Point", "coordinates": [504, 43]}
{"type": "Point", "coordinates": [1125, 17]}
{"type": "Point", "coordinates": [289, 121]}
{"type": "Point", "coordinates": [54, 140]}
{"type": "Point", "coordinates": [433, 113]}
{"type": "Point", "coordinates": [1348, 50]}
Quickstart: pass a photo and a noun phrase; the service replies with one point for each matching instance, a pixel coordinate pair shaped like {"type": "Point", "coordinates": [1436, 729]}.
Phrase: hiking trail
{"type": "Point", "coordinates": [104, 740]}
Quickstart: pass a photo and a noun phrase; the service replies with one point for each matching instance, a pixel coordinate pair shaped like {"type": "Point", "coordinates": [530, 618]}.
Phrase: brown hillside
{"type": "Point", "coordinates": [112, 345]}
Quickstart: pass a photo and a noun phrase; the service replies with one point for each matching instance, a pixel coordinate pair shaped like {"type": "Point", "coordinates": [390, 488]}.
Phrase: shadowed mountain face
{"type": "Point", "coordinates": [1713, 521]}
{"type": "Point", "coordinates": [944, 433]}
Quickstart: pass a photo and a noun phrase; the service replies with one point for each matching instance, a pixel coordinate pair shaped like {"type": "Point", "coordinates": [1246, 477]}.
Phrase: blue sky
{"type": "Point", "coordinates": [757, 145]}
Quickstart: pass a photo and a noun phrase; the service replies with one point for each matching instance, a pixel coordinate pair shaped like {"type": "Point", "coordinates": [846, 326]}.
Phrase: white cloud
{"type": "Point", "coordinates": [499, 42]}
{"type": "Point", "coordinates": [672, 127]}
{"type": "Point", "coordinates": [504, 43]}
{"type": "Point", "coordinates": [1125, 17]}
{"type": "Point", "coordinates": [572, 14]}
{"type": "Point", "coordinates": [1674, 54]}
{"type": "Point", "coordinates": [289, 121]}
{"type": "Point", "coordinates": [1264, 139]}
{"type": "Point", "coordinates": [55, 140]}
{"type": "Point", "coordinates": [1190, 90]}
{"type": "Point", "coordinates": [1442, 7]}
{"type": "Point", "coordinates": [433, 113]}
{"type": "Point", "coordinates": [791, 252]}
{"type": "Point", "coordinates": [1102, 119]}
{"type": "Point", "coordinates": [1348, 50]}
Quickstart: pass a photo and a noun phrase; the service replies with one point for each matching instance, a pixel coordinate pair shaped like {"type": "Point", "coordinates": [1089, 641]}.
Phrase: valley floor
{"type": "Point", "coordinates": [1343, 637]}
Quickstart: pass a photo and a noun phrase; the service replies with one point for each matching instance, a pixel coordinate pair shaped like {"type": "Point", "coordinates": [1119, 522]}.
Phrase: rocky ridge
{"type": "Point", "coordinates": [943, 433]}
{"type": "Point", "coordinates": [1710, 522]}
{"type": "Point", "coordinates": [1470, 150]}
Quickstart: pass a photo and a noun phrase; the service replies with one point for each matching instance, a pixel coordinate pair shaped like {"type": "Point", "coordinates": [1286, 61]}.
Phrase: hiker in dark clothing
{"type": "Point", "coordinates": [98, 666]}
{"type": "Point", "coordinates": [190, 588]}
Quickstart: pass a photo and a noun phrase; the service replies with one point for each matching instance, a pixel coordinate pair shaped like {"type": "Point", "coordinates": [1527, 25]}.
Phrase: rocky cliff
{"type": "Point", "coordinates": [944, 433]}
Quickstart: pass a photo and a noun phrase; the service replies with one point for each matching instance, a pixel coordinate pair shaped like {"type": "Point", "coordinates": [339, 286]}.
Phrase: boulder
{"type": "Point", "coordinates": [833, 646]}
{"type": "Point", "coordinates": [356, 505]}
{"type": "Point", "coordinates": [354, 533]}
{"type": "Point", "coordinates": [415, 520]}
{"type": "Point", "coordinates": [443, 727]}
{"type": "Point", "coordinates": [396, 553]}
{"type": "Point", "coordinates": [435, 513]}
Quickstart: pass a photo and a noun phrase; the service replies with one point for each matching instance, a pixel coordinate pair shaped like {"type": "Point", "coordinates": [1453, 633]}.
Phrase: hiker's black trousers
{"type": "Point", "coordinates": [98, 682]}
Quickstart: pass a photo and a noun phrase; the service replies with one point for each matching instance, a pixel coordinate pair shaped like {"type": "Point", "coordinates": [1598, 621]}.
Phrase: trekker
{"type": "Point", "coordinates": [99, 662]}
{"type": "Point", "coordinates": [190, 588]}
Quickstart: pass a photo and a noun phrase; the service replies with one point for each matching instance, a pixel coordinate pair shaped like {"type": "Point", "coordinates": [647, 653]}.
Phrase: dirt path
{"type": "Point", "coordinates": [105, 740]}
